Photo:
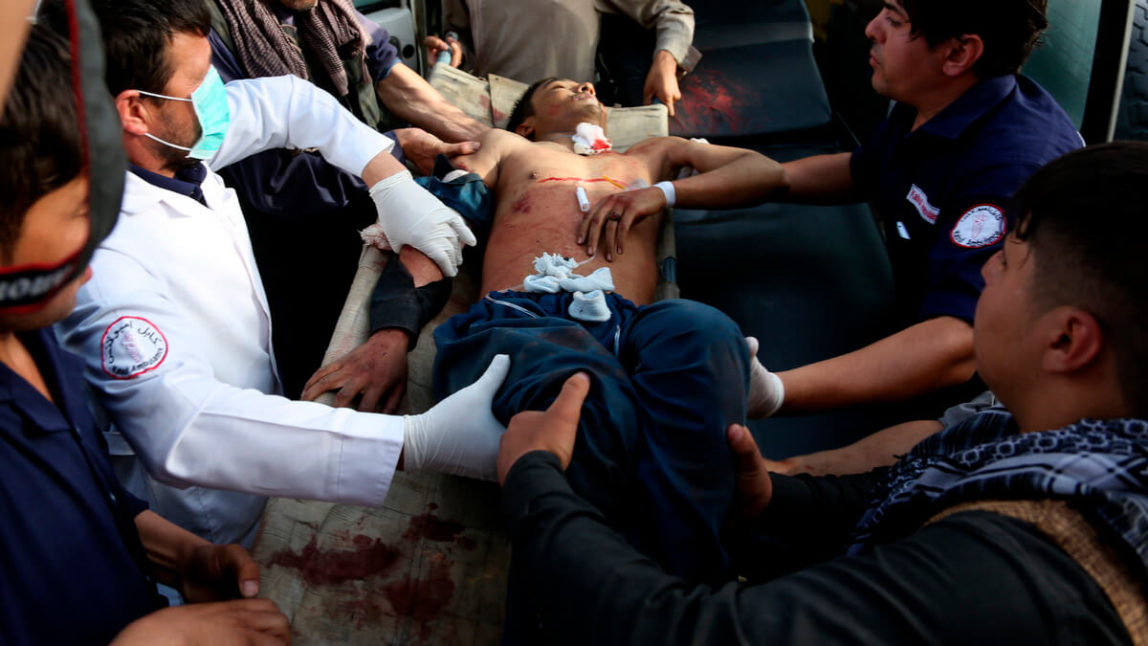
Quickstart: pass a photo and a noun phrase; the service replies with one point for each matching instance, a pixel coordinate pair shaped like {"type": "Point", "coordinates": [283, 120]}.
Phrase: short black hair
{"type": "Point", "coordinates": [40, 146]}
{"type": "Point", "coordinates": [525, 106]}
{"type": "Point", "coordinates": [136, 36]}
{"type": "Point", "coordinates": [1010, 29]}
{"type": "Point", "coordinates": [1083, 216]}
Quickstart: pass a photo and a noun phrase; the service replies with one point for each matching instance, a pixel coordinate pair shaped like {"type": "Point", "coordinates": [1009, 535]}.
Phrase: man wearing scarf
{"type": "Point", "coordinates": [336, 48]}
{"type": "Point", "coordinates": [1026, 523]}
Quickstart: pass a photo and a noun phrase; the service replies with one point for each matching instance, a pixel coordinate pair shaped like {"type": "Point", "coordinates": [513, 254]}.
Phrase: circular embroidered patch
{"type": "Point", "coordinates": [132, 346]}
{"type": "Point", "coordinates": [980, 226]}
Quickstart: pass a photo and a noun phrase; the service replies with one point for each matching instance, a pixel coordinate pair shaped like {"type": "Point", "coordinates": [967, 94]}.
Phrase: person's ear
{"type": "Point", "coordinates": [962, 53]}
{"type": "Point", "coordinates": [526, 128]}
{"type": "Point", "coordinates": [134, 113]}
{"type": "Point", "coordinates": [1074, 338]}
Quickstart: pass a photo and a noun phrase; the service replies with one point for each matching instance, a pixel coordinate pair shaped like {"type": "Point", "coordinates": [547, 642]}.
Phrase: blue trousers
{"type": "Point", "coordinates": [666, 381]}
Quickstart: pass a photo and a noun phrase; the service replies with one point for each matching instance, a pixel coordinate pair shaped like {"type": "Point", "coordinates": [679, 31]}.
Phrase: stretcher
{"type": "Point", "coordinates": [429, 566]}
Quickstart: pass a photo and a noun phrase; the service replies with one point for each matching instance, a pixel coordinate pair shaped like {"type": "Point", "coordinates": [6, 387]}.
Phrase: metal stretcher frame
{"type": "Point", "coordinates": [429, 567]}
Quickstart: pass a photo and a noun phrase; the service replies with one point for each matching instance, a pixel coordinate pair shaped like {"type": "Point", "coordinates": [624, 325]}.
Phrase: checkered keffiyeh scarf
{"type": "Point", "coordinates": [265, 49]}
{"type": "Point", "coordinates": [1102, 465]}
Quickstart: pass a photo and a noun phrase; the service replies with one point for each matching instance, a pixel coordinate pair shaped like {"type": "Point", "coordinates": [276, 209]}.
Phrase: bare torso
{"type": "Point", "coordinates": [537, 211]}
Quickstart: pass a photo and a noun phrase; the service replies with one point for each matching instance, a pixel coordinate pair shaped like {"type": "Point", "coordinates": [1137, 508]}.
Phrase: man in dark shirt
{"type": "Point", "coordinates": [1018, 525]}
{"type": "Point", "coordinates": [80, 556]}
{"type": "Point", "coordinates": [966, 130]}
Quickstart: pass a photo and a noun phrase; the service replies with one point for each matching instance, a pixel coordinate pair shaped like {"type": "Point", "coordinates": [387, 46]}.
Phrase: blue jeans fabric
{"type": "Point", "coordinates": [667, 380]}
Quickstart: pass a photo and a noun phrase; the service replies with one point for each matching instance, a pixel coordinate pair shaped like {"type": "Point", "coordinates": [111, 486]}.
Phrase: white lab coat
{"type": "Point", "coordinates": [176, 334]}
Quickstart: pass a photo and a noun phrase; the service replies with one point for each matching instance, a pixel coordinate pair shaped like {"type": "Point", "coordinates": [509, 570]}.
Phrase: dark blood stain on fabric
{"type": "Point", "coordinates": [369, 557]}
{"type": "Point", "coordinates": [363, 612]}
{"type": "Point", "coordinates": [711, 103]}
{"type": "Point", "coordinates": [496, 115]}
{"type": "Point", "coordinates": [432, 528]}
{"type": "Point", "coordinates": [423, 599]}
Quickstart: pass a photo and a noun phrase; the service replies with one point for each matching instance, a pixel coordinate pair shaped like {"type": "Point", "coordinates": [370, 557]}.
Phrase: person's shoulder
{"type": "Point", "coordinates": [502, 139]}
{"type": "Point", "coordinates": [1031, 114]}
{"type": "Point", "coordinates": [657, 145]}
{"type": "Point", "coordinates": [500, 134]}
{"type": "Point", "coordinates": [1028, 130]}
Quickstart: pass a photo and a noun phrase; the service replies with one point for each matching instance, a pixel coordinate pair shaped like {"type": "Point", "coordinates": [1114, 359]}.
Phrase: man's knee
{"type": "Point", "coordinates": [688, 325]}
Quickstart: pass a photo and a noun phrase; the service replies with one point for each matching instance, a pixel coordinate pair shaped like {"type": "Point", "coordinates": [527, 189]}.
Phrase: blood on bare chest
{"type": "Point", "coordinates": [538, 210]}
{"type": "Point", "coordinates": [545, 184]}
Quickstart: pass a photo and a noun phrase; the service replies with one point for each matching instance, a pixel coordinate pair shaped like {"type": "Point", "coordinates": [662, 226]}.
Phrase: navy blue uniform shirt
{"type": "Point", "coordinates": [942, 191]}
{"type": "Point", "coordinates": [71, 566]}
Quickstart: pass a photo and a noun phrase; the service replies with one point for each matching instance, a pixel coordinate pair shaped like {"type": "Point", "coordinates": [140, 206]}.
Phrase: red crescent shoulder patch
{"type": "Point", "coordinates": [131, 346]}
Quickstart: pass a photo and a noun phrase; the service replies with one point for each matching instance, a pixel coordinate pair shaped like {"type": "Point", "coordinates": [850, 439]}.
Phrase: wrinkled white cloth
{"type": "Point", "coordinates": [376, 237]}
{"type": "Point", "coordinates": [555, 273]}
{"type": "Point", "coordinates": [589, 306]}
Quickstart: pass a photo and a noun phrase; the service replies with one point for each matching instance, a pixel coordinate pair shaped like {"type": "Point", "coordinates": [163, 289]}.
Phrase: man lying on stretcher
{"type": "Point", "coordinates": [668, 378]}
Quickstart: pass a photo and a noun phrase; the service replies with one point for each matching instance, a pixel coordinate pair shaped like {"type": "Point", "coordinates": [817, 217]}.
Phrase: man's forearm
{"type": "Point", "coordinates": [728, 177]}
{"type": "Point", "coordinates": [167, 545]}
{"type": "Point", "coordinates": [671, 19]}
{"type": "Point", "coordinates": [381, 166]}
{"type": "Point", "coordinates": [421, 268]}
{"type": "Point", "coordinates": [578, 567]}
{"type": "Point", "coordinates": [395, 301]}
{"type": "Point", "coordinates": [819, 512]}
{"type": "Point", "coordinates": [881, 449]}
{"type": "Point", "coordinates": [820, 179]}
{"type": "Point", "coordinates": [923, 358]}
{"type": "Point", "coordinates": [411, 98]}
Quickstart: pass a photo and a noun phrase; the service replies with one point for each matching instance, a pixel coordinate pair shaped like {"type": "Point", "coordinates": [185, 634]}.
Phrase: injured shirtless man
{"type": "Point", "coordinates": [669, 377]}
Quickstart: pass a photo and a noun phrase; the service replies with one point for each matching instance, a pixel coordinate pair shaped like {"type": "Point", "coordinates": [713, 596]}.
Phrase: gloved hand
{"type": "Point", "coordinates": [766, 391]}
{"type": "Point", "coordinates": [459, 435]}
{"type": "Point", "coordinates": [410, 215]}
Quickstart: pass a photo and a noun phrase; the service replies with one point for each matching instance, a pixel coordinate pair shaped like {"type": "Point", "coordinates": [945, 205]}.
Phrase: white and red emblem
{"type": "Point", "coordinates": [980, 226]}
{"type": "Point", "coordinates": [132, 346]}
{"type": "Point", "coordinates": [920, 201]}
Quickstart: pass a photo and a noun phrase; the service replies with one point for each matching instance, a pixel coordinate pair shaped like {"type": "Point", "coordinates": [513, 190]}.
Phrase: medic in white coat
{"type": "Point", "coordinates": [176, 333]}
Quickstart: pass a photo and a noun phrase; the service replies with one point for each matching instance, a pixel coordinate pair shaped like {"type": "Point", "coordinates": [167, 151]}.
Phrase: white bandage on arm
{"type": "Point", "coordinates": [669, 191]}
